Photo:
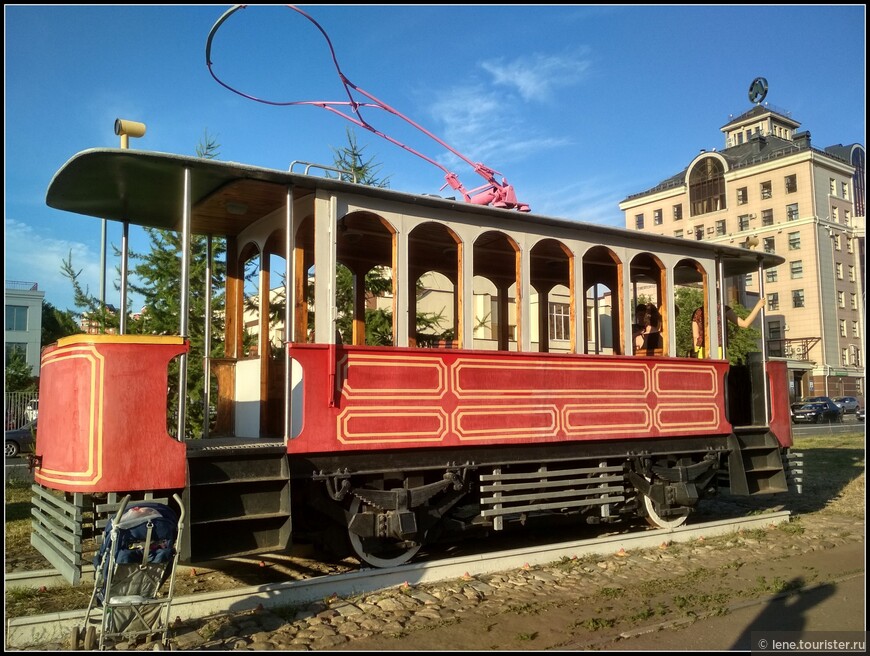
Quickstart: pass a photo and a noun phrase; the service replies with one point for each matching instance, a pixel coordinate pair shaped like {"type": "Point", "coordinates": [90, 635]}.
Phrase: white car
{"type": "Point", "coordinates": [31, 410]}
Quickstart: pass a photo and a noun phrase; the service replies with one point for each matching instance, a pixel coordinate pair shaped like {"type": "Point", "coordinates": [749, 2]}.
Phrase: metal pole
{"type": "Point", "coordinates": [103, 278]}
{"type": "Point", "coordinates": [289, 306]}
{"type": "Point", "coordinates": [184, 304]}
{"type": "Point", "coordinates": [762, 316]}
{"type": "Point", "coordinates": [124, 249]}
{"type": "Point", "coordinates": [206, 359]}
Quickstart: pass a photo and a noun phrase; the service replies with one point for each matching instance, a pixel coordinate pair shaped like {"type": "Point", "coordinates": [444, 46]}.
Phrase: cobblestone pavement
{"type": "Point", "coordinates": [583, 603]}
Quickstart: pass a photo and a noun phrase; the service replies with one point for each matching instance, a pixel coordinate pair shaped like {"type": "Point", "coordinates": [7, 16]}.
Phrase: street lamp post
{"type": "Point", "coordinates": [124, 129]}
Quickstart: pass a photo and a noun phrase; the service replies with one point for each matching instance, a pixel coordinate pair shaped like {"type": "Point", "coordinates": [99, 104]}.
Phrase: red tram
{"type": "Point", "coordinates": [316, 436]}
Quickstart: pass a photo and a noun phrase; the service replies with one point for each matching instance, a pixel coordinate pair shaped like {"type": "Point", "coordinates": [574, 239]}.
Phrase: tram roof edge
{"type": "Point", "coordinates": [146, 188]}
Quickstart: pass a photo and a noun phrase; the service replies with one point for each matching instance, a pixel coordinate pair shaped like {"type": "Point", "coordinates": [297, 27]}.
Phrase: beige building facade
{"type": "Point", "coordinates": [770, 189]}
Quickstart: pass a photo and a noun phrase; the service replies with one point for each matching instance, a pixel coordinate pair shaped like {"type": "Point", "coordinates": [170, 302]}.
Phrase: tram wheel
{"type": "Point", "coordinates": [657, 521]}
{"type": "Point", "coordinates": [380, 552]}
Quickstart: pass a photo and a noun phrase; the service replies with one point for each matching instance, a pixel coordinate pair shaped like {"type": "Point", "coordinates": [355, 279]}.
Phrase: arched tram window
{"type": "Point", "coordinates": [648, 287]}
{"type": "Point", "coordinates": [551, 276]}
{"type": "Point", "coordinates": [497, 261]}
{"type": "Point", "coordinates": [434, 294]}
{"type": "Point", "coordinates": [602, 301]}
{"type": "Point", "coordinates": [365, 281]}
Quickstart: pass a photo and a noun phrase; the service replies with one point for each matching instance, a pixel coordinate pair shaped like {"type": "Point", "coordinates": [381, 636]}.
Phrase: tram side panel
{"type": "Point", "coordinates": [368, 398]}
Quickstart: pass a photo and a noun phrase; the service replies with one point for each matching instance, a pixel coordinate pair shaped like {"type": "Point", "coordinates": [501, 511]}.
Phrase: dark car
{"type": "Point", "coordinates": [20, 439]}
{"type": "Point", "coordinates": [859, 414]}
{"type": "Point", "coordinates": [816, 410]}
{"type": "Point", "coordinates": [849, 404]}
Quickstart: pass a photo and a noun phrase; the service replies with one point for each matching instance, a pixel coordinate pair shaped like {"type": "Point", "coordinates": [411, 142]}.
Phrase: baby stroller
{"type": "Point", "coordinates": [137, 556]}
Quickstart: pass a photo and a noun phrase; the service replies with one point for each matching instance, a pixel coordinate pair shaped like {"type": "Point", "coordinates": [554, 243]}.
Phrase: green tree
{"type": "Point", "coordinates": [350, 158]}
{"type": "Point", "coordinates": [741, 341]}
{"type": "Point", "coordinates": [57, 323]}
{"type": "Point", "coordinates": [19, 374]}
{"type": "Point", "coordinates": [89, 306]}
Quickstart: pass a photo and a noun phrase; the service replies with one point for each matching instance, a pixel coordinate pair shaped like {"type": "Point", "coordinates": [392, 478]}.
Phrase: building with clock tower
{"type": "Point", "coordinates": [771, 188]}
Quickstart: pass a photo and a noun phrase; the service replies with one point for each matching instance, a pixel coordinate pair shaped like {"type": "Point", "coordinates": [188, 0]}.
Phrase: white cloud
{"type": "Point", "coordinates": [483, 126]}
{"type": "Point", "coordinates": [537, 76]}
{"type": "Point", "coordinates": [31, 256]}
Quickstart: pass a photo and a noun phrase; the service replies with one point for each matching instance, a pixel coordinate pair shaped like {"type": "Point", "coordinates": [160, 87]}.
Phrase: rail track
{"type": "Point", "coordinates": [23, 632]}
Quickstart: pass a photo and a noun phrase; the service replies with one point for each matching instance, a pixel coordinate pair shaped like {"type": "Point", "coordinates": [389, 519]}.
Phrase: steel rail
{"type": "Point", "coordinates": [23, 632]}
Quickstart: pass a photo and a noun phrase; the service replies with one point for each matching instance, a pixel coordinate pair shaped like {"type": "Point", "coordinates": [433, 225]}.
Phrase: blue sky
{"type": "Point", "coordinates": [577, 106]}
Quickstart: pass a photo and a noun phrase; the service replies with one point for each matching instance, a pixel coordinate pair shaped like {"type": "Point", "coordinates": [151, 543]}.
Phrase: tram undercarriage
{"type": "Point", "coordinates": [387, 515]}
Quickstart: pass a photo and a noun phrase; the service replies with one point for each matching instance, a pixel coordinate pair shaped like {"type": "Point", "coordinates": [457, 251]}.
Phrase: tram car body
{"type": "Point", "coordinates": [330, 438]}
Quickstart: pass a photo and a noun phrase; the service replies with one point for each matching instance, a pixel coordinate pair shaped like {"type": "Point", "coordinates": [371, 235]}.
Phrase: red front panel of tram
{"type": "Point", "coordinates": [408, 398]}
{"type": "Point", "coordinates": [102, 415]}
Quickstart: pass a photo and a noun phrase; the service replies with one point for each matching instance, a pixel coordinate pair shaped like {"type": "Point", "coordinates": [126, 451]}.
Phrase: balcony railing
{"type": "Point", "coordinates": [793, 349]}
{"type": "Point", "coordinates": [22, 286]}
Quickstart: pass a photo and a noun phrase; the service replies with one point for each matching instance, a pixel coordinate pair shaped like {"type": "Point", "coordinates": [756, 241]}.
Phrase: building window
{"type": "Point", "coordinates": [839, 268]}
{"type": "Point", "coordinates": [742, 196]}
{"type": "Point", "coordinates": [790, 184]}
{"type": "Point", "coordinates": [847, 217]}
{"type": "Point", "coordinates": [851, 272]}
{"type": "Point", "coordinates": [843, 328]}
{"type": "Point", "coordinates": [720, 227]}
{"type": "Point", "coordinates": [707, 187]}
{"type": "Point", "coordinates": [797, 298]}
{"type": "Point", "coordinates": [767, 217]}
{"type": "Point", "coordinates": [855, 329]}
{"type": "Point", "coordinates": [638, 221]}
{"type": "Point", "coordinates": [743, 222]}
{"type": "Point", "coordinates": [837, 245]}
{"type": "Point", "coordinates": [771, 275]}
{"type": "Point", "coordinates": [770, 244]}
{"type": "Point", "coordinates": [678, 233]}
{"type": "Point", "coordinates": [835, 214]}
{"type": "Point", "coordinates": [845, 355]}
{"type": "Point", "coordinates": [13, 347]}
{"type": "Point", "coordinates": [841, 299]}
{"type": "Point", "coordinates": [845, 190]}
{"type": "Point", "coordinates": [773, 301]}
{"type": "Point", "coordinates": [797, 269]}
{"type": "Point", "coordinates": [657, 217]}
{"type": "Point", "coordinates": [791, 212]}
{"type": "Point", "coordinates": [833, 186]}
{"type": "Point", "coordinates": [560, 321]}
{"type": "Point", "coordinates": [16, 317]}
{"type": "Point", "coordinates": [853, 299]}
{"type": "Point", "coordinates": [849, 245]}
{"type": "Point", "coordinates": [699, 232]}
{"type": "Point", "coordinates": [794, 241]}
{"type": "Point", "coordinates": [766, 190]}
{"type": "Point", "coordinates": [678, 212]}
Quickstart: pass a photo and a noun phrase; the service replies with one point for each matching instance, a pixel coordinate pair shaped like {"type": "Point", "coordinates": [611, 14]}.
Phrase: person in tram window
{"type": "Point", "coordinates": [646, 328]}
{"type": "Point", "coordinates": [698, 324]}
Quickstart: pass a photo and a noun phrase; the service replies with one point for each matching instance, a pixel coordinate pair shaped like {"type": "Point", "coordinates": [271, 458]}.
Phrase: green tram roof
{"type": "Point", "coordinates": [146, 189]}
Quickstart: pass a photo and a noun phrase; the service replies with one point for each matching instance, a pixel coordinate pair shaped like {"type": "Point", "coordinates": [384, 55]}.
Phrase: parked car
{"type": "Point", "coordinates": [849, 404]}
{"type": "Point", "coordinates": [815, 410]}
{"type": "Point", "coordinates": [859, 414]}
{"type": "Point", "coordinates": [20, 439]}
{"type": "Point", "coordinates": [31, 410]}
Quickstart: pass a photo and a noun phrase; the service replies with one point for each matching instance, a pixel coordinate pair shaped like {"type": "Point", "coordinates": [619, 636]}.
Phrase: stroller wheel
{"type": "Point", "coordinates": [75, 639]}
{"type": "Point", "coordinates": [90, 638]}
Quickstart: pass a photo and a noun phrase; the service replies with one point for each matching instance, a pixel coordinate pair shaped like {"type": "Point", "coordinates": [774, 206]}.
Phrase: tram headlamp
{"type": "Point", "coordinates": [127, 128]}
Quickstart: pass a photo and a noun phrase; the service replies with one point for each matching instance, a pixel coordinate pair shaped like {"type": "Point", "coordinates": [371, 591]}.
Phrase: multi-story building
{"type": "Point", "coordinates": [770, 188]}
{"type": "Point", "coordinates": [24, 321]}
